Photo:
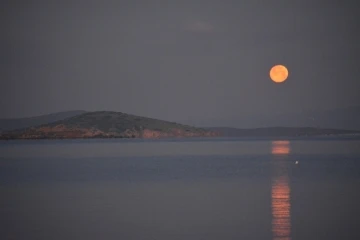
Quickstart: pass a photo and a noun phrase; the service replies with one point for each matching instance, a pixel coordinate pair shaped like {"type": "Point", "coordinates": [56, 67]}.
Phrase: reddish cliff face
{"type": "Point", "coordinates": [59, 131]}
{"type": "Point", "coordinates": [176, 133]}
{"type": "Point", "coordinates": [63, 132]}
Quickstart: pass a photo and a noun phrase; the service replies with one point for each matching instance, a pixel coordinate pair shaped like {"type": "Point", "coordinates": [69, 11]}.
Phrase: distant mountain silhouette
{"type": "Point", "coordinates": [280, 132]}
{"type": "Point", "coordinates": [343, 118]}
{"type": "Point", "coordinates": [16, 123]}
{"type": "Point", "coordinates": [339, 118]}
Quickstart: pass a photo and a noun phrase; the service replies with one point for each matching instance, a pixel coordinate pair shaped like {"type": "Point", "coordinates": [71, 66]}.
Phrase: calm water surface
{"type": "Point", "coordinates": [176, 189]}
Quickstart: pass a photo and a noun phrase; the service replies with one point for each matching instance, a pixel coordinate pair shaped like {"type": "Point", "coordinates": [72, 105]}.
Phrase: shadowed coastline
{"type": "Point", "coordinates": [106, 124]}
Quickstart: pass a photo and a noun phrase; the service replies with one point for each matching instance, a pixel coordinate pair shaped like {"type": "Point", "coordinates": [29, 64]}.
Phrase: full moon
{"type": "Point", "coordinates": [279, 73]}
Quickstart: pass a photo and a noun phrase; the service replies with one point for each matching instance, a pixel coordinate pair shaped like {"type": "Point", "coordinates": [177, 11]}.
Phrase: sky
{"type": "Point", "coordinates": [196, 62]}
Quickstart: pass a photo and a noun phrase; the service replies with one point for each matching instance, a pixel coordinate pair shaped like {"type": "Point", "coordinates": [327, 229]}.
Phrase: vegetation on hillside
{"type": "Point", "coordinates": [108, 124]}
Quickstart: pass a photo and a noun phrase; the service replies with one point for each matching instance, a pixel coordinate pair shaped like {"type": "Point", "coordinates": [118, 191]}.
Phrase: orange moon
{"type": "Point", "coordinates": [279, 73]}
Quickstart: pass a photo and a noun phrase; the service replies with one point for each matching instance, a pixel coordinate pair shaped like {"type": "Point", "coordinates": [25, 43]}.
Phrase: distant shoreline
{"type": "Point", "coordinates": [196, 138]}
{"type": "Point", "coordinates": [118, 125]}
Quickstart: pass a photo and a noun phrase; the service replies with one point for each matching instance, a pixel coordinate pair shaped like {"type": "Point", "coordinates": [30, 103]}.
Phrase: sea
{"type": "Point", "coordinates": [180, 189]}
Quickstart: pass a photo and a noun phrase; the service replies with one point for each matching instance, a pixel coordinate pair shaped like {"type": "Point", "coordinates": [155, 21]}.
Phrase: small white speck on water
{"type": "Point", "coordinates": [296, 162]}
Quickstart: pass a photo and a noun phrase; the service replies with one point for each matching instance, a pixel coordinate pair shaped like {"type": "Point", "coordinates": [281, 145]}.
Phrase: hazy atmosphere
{"type": "Point", "coordinates": [179, 120]}
{"type": "Point", "coordinates": [197, 62]}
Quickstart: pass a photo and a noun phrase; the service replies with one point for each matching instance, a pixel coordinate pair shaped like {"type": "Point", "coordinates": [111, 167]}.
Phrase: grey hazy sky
{"type": "Point", "coordinates": [203, 62]}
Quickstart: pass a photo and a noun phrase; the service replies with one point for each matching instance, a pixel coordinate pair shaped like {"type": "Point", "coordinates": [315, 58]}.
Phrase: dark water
{"type": "Point", "coordinates": [218, 189]}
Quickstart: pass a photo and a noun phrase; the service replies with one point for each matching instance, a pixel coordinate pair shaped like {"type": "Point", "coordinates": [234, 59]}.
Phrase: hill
{"type": "Point", "coordinates": [107, 125]}
{"type": "Point", "coordinates": [7, 124]}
